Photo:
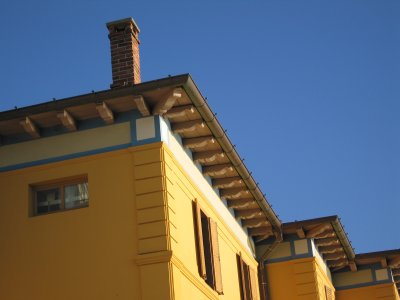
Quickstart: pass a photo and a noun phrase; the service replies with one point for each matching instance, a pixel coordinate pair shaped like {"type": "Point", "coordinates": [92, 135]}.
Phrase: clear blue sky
{"type": "Point", "coordinates": [308, 90]}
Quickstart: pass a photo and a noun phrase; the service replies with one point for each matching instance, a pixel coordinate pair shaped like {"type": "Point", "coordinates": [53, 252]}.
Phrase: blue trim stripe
{"type": "Point", "coordinates": [63, 157]}
{"type": "Point", "coordinates": [293, 256]}
{"type": "Point", "coordinates": [131, 117]}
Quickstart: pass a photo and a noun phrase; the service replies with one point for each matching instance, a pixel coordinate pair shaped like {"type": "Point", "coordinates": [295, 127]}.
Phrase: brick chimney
{"type": "Point", "coordinates": [125, 61]}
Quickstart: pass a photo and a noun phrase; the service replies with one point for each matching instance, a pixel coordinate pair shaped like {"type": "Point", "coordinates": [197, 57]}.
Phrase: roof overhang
{"type": "Point", "coordinates": [330, 238]}
{"type": "Point", "coordinates": [179, 100]}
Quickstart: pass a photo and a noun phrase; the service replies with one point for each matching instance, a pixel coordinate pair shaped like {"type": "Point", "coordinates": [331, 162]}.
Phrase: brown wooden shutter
{"type": "Point", "coordinates": [216, 257]}
{"type": "Point", "coordinates": [240, 276]}
{"type": "Point", "coordinates": [206, 230]}
{"type": "Point", "coordinates": [328, 293]}
{"type": "Point", "coordinates": [244, 279]}
{"type": "Point", "coordinates": [254, 284]}
{"type": "Point", "coordinates": [199, 240]}
{"type": "Point", "coordinates": [246, 276]}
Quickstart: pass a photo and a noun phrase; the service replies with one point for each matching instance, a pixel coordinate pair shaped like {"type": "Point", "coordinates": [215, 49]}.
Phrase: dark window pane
{"type": "Point", "coordinates": [48, 200]}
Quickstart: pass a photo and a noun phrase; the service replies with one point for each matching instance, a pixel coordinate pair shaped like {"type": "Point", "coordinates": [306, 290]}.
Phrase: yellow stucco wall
{"type": "Point", "coordinates": [134, 241]}
{"type": "Point", "coordinates": [181, 192]}
{"type": "Point", "coordinates": [85, 253]}
{"type": "Point", "coordinates": [376, 292]}
{"type": "Point", "coordinates": [297, 279]}
{"type": "Point", "coordinates": [114, 249]}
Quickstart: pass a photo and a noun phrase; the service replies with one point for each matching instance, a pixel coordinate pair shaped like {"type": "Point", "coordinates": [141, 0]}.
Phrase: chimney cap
{"type": "Point", "coordinates": [123, 22]}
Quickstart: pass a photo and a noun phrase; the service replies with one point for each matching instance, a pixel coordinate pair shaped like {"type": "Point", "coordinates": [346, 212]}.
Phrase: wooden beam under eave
{"type": "Point", "coordinates": [330, 249]}
{"type": "Point", "coordinates": [30, 128]}
{"type": "Point", "coordinates": [318, 230]}
{"type": "Point", "coordinates": [260, 238]}
{"type": "Point", "coordinates": [105, 113]}
{"type": "Point", "coordinates": [384, 262]}
{"type": "Point", "coordinates": [396, 272]}
{"type": "Point", "coordinates": [207, 156]}
{"type": "Point", "coordinates": [226, 182]}
{"type": "Point", "coordinates": [337, 263]}
{"type": "Point", "coordinates": [326, 241]}
{"type": "Point", "coordinates": [300, 233]}
{"type": "Point", "coordinates": [255, 222]}
{"type": "Point", "coordinates": [234, 193]}
{"type": "Point", "coordinates": [248, 213]}
{"type": "Point", "coordinates": [67, 120]}
{"type": "Point", "coordinates": [325, 234]}
{"type": "Point", "coordinates": [142, 106]}
{"type": "Point", "coordinates": [394, 262]}
{"type": "Point", "coordinates": [217, 170]}
{"type": "Point", "coordinates": [189, 126]}
{"type": "Point", "coordinates": [179, 111]}
{"type": "Point", "coordinates": [166, 104]}
{"type": "Point", "coordinates": [242, 203]}
{"type": "Point", "coordinates": [334, 256]}
{"type": "Point", "coordinates": [353, 266]}
{"type": "Point", "coordinates": [198, 142]}
{"type": "Point", "coordinates": [260, 231]}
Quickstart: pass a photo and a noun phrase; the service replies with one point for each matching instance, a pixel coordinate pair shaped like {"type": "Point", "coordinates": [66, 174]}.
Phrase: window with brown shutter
{"type": "Point", "coordinates": [247, 280]}
{"type": "Point", "coordinates": [207, 248]}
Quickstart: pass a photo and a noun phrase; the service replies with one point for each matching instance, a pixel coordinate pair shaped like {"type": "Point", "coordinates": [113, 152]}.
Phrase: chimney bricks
{"type": "Point", "coordinates": [125, 60]}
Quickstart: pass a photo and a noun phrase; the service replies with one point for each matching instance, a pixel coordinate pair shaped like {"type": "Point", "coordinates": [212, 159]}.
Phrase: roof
{"type": "Point", "coordinates": [387, 259]}
{"type": "Point", "coordinates": [179, 100]}
{"type": "Point", "coordinates": [330, 238]}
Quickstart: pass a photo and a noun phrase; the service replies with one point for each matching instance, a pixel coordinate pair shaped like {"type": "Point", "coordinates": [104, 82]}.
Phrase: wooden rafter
{"type": "Point", "coordinates": [255, 222]}
{"type": "Point", "coordinates": [327, 241]}
{"type": "Point", "coordinates": [233, 193]}
{"type": "Point", "coordinates": [394, 262]}
{"type": "Point", "coordinates": [67, 120]}
{"type": "Point", "coordinates": [248, 213]}
{"type": "Point", "coordinates": [179, 111]}
{"type": "Point", "coordinates": [242, 203]}
{"type": "Point", "coordinates": [337, 263]}
{"type": "Point", "coordinates": [166, 104]}
{"type": "Point", "coordinates": [217, 170]}
{"type": "Point", "coordinates": [330, 249]}
{"type": "Point", "coordinates": [260, 231]}
{"type": "Point", "coordinates": [300, 232]}
{"type": "Point", "coordinates": [105, 113]}
{"type": "Point", "coordinates": [260, 238]}
{"type": "Point", "coordinates": [226, 182]}
{"type": "Point", "coordinates": [188, 126]}
{"type": "Point", "coordinates": [334, 256]}
{"type": "Point", "coordinates": [30, 127]}
{"type": "Point", "coordinates": [325, 234]}
{"type": "Point", "coordinates": [142, 106]}
{"type": "Point", "coordinates": [318, 230]}
{"type": "Point", "coordinates": [353, 266]}
{"type": "Point", "coordinates": [384, 262]}
{"type": "Point", "coordinates": [198, 142]}
{"type": "Point", "coordinates": [207, 156]}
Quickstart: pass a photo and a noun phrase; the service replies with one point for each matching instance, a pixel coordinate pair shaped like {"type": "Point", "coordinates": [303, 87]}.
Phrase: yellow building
{"type": "Point", "coordinates": [315, 260]}
{"type": "Point", "coordinates": [136, 192]}
{"type": "Point", "coordinates": [130, 193]}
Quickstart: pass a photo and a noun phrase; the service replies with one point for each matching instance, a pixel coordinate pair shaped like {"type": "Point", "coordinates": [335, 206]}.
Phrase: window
{"type": "Point", "coordinates": [63, 195]}
{"type": "Point", "coordinates": [247, 280]}
{"type": "Point", "coordinates": [207, 249]}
